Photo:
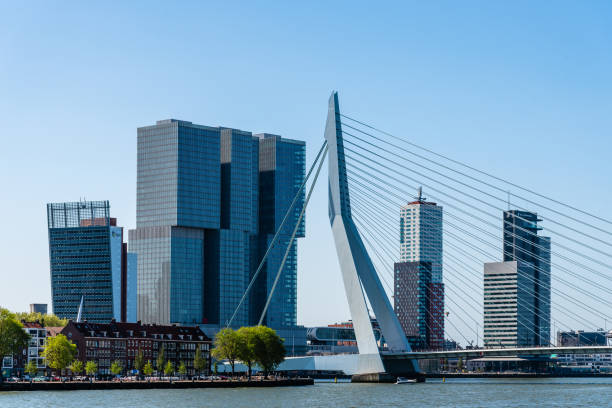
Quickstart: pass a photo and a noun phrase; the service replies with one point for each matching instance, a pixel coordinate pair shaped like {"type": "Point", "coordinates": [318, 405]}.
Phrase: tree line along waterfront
{"type": "Point", "coordinates": [257, 346]}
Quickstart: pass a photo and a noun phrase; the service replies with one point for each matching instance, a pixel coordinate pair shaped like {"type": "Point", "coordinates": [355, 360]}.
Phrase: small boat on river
{"type": "Point", "coordinates": [403, 380]}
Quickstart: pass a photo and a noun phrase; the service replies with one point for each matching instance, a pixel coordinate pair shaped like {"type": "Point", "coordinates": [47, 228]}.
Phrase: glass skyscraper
{"type": "Point", "coordinates": [281, 172]}
{"type": "Point", "coordinates": [517, 291]}
{"type": "Point", "coordinates": [89, 260]}
{"type": "Point", "coordinates": [202, 200]}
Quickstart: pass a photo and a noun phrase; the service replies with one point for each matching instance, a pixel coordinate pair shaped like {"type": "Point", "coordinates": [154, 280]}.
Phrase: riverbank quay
{"type": "Point", "coordinates": [142, 385]}
{"type": "Point", "coordinates": [519, 375]}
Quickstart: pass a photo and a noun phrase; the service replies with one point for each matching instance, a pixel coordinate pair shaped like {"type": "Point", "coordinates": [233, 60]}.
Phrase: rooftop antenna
{"type": "Point", "coordinates": [420, 197]}
{"type": "Point", "coordinates": [508, 200]}
{"type": "Point", "coordinates": [80, 313]}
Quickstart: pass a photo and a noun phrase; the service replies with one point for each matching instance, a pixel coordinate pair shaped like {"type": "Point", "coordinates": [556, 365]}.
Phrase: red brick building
{"type": "Point", "coordinates": [419, 304]}
{"type": "Point", "coordinates": [435, 317]}
{"type": "Point", "coordinates": [105, 343]}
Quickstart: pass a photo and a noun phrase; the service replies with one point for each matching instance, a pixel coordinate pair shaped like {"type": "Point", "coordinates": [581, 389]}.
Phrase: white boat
{"type": "Point", "coordinates": [403, 380]}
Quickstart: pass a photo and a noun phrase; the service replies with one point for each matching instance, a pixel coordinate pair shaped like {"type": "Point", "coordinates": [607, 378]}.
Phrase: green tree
{"type": "Point", "coordinates": [59, 352]}
{"type": "Point", "coordinates": [182, 370]}
{"type": "Point", "coordinates": [31, 368]}
{"type": "Point", "coordinates": [139, 361]}
{"type": "Point", "coordinates": [269, 350]}
{"type": "Point", "coordinates": [13, 337]}
{"type": "Point", "coordinates": [169, 369]}
{"type": "Point", "coordinates": [247, 340]}
{"type": "Point", "coordinates": [161, 359]}
{"type": "Point", "coordinates": [76, 367]}
{"type": "Point", "coordinates": [91, 368]}
{"type": "Point", "coordinates": [46, 320]}
{"type": "Point", "coordinates": [199, 363]}
{"type": "Point", "coordinates": [226, 346]}
{"type": "Point", "coordinates": [148, 368]}
{"type": "Point", "coordinates": [459, 363]}
{"type": "Point", "coordinates": [116, 367]}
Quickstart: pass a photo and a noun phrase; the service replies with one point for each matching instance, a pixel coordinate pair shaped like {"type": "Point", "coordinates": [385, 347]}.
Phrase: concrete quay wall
{"type": "Point", "coordinates": [139, 385]}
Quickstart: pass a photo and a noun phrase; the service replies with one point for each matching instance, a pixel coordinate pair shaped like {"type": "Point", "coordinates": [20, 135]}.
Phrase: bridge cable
{"type": "Point", "coordinates": [540, 284]}
{"type": "Point", "coordinates": [449, 205]}
{"type": "Point", "coordinates": [449, 268]}
{"type": "Point", "coordinates": [467, 314]}
{"type": "Point", "coordinates": [512, 234]}
{"type": "Point", "coordinates": [486, 254]}
{"type": "Point", "coordinates": [472, 197]}
{"type": "Point", "coordinates": [465, 175]}
{"type": "Point", "coordinates": [277, 234]}
{"type": "Point", "coordinates": [363, 228]}
{"type": "Point", "coordinates": [477, 303]}
{"type": "Point", "coordinates": [480, 171]}
{"type": "Point", "coordinates": [515, 235]}
{"type": "Point", "coordinates": [290, 244]}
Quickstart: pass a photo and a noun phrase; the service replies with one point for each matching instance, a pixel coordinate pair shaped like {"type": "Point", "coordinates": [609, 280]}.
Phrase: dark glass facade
{"type": "Point", "coordinates": [281, 172]}
{"type": "Point", "coordinates": [200, 212]}
{"type": "Point", "coordinates": [88, 260]}
{"type": "Point", "coordinates": [521, 243]}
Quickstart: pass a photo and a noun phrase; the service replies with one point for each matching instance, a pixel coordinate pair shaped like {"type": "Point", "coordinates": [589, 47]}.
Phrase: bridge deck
{"type": "Point", "coordinates": [498, 352]}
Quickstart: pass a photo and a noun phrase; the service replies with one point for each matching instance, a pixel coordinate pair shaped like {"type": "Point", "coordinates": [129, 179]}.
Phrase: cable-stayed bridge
{"type": "Point", "coordinates": [547, 264]}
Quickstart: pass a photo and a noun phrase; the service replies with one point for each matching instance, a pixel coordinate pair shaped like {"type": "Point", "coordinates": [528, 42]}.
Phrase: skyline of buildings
{"type": "Point", "coordinates": [89, 263]}
{"type": "Point", "coordinates": [514, 289]}
{"type": "Point", "coordinates": [209, 201]}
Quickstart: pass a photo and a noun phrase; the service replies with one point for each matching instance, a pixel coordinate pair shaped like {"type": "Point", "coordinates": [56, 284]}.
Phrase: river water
{"type": "Point", "coordinates": [563, 392]}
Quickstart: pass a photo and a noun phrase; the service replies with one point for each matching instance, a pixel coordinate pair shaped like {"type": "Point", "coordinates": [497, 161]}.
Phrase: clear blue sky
{"type": "Point", "coordinates": [518, 89]}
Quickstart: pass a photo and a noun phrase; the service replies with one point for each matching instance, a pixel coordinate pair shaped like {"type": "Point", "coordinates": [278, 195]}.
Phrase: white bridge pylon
{"type": "Point", "coordinates": [358, 272]}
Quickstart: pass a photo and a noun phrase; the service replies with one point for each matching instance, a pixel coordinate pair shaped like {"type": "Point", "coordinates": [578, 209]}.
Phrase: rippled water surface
{"type": "Point", "coordinates": [566, 392]}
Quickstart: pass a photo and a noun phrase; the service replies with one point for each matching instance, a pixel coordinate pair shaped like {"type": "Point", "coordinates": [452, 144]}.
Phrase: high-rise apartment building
{"type": "Point", "coordinates": [421, 234]}
{"type": "Point", "coordinates": [517, 291]}
{"type": "Point", "coordinates": [418, 288]}
{"type": "Point", "coordinates": [203, 196]}
{"type": "Point", "coordinates": [89, 261]}
{"type": "Point", "coordinates": [411, 294]}
{"type": "Point", "coordinates": [419, 304]}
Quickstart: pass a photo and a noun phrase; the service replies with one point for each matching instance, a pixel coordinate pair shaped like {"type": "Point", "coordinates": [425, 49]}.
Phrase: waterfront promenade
{"type": "Point", "coordinates": [144, 385]}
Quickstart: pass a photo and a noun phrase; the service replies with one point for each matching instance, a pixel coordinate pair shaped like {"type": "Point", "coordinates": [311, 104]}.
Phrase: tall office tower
{"type": "Point", "coordinates": [89, 261]}
{"type": "Point", "coordinates": [508, 304]}
{"type": "Point", "coordinates": [198, 220]}
{"type": "Point", "coordinates": [517, 291]}
{"type": "Point", "coordinates": [522, 243]}
{"type": "Point", "coordinates": [281, 172]}
{"type": "Point", "coordinates": [229, 251]}
{"type": "Point", "coordinates": [421, 243]}
{"type": "Point", "coordinates": [178, 200]}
